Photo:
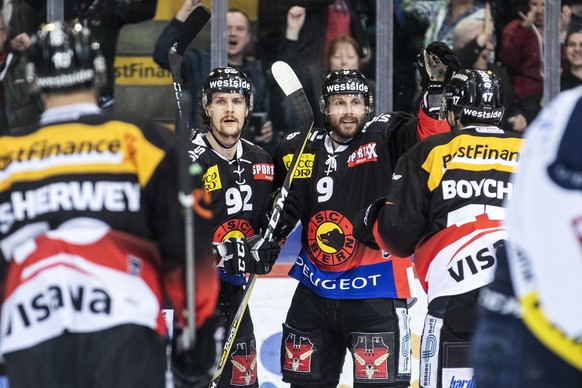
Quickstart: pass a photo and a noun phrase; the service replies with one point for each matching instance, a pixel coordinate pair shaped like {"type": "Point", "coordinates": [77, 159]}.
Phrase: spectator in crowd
{"type": "Point", "coordinates": [100, 244]}
{"type": "Point", "coordinates": [343, 55]}
{"type": "Point", "coordinates": [573, 76]}
{"type": "Point", "coordinates": [442, 16]}
{"type": "Point", "coordinates": [105, 18]}
{"type": "Point", "coordinates": [316, 23]}
{"type": "Point", "coordinates": [441, 206]}
{"type": "Point", "coordinates": [312, 72]}
{"type": "Point", "coordinates": [300, 33]}
{"type": "Point", "coordinates": [529, 330]}
{"type": "Point", "coordinates": [20, 106]}
{"type": "Point", "coordinates": [5, 60]}
{"type": "Point", "coordinates": [522, 52]}
{"type": "Point", "coordinates": [196, 67]}
{"type": "Point", "coordinates": [473, 43]}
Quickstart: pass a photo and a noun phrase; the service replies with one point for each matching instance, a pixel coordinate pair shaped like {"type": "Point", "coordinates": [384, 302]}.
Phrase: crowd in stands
{"type": "Point", "coordinates": [315, 37]}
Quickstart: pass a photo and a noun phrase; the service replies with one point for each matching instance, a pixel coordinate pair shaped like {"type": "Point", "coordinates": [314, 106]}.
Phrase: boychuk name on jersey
{"type": "Point", "coordinates": [490, 188]}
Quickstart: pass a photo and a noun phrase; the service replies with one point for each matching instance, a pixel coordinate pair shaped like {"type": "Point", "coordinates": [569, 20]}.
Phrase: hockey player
{"type": "Point", "coordinates": [445, 206]}
{"type": "Point", "coordinates": [529, 332]}
{"type": "Point", "coordinates": [351, 296]}
{"type": "Point", "coordinates": [90, 232]}
{"type": "Point", "coordinates": [238, 177]}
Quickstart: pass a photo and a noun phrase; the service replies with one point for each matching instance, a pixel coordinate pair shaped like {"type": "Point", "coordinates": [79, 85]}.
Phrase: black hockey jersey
{"type": "Point", "coordinates": [335, 185]}
{"type": "Point", "coordinates": [238, 191]}
{"type": "Point", "coordinates": [445, 204]}
{"type": "Point", "coordinates": [90, 227]}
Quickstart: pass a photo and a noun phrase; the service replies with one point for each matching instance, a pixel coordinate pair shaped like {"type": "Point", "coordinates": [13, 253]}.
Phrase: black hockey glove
{"type": "Point", "coordinates": [251, 255]}
{"type": "Point", "coordinates": [436, 65]}
{"type": "Point", "coordinates": [195, 367]}
{"type": "Point", "coordinates": [364, 223]}
{"type": "Point", "coordinates": [289, 216]}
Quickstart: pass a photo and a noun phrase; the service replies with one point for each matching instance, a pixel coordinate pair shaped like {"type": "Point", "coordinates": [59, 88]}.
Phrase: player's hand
{"type": "Point", "coordinates": [436, 65]}
{"type": "Point", "coordinates": [20, 42]}
{"type": "Point", "coordinates": [186, 9]}
{"type": "Point", "coordinates": [290, 215]}
{"type": "Point", "coordinates": [487, 34]}
{"type": "Point", "coordinates": [195, 367]}
{"type": "Point", "coordinates": [518, 122]}
{"type": "Point", "coordinates": [249, 255]}
{"type": "Point", "coordinates": [266, 133]}
{"type": "Point", "coordinates": [364, 223]}
{"type": "Point", "coordinates": [295, 20]}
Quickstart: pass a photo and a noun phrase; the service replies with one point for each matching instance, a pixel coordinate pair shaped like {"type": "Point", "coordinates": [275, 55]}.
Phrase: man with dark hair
{"type": "Point", "coordinates": [196, 66]}
{"type": "Point", "coordinates": [91, 236]}
{"type": "Point", "coordinates": [445, 205]}
{"type": "Point", "coordinates": [351, 296]}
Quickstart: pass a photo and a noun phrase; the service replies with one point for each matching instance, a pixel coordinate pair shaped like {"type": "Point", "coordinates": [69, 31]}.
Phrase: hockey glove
{"type": "Point", "coordinates": [250, 255]}
{"type": "Point", "coordinates": [289, 216]}
{"type": "Point", "coordinates": [436, 65]}
{"type": "Point", "coordinates": [364, 223]}
{"type": "Point", "coordinates": [195, 367]}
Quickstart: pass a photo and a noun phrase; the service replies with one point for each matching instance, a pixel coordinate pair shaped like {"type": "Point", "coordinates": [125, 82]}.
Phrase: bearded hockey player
{"type": "Point", "coordinates": [349, 295]}
{"type": "Point", "coordinates": [445, 205]}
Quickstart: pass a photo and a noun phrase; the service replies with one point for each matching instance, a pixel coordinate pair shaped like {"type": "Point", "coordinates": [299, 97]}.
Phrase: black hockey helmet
{"type": "Point", "coordinates": [475, 97]}
{"type": "Point", "coordinates": [345, 82]}
{"type": "Point", "coordinates": [63, 57]}
{"type": "Point", "coordinates": [226, 80]}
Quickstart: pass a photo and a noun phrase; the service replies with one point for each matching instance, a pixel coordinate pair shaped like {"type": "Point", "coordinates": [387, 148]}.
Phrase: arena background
{"type": "Point", "coordinates": [143, 88]}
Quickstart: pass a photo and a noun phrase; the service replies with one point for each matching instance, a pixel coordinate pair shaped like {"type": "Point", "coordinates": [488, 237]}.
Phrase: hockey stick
{"type": "Point", "coordinates": [292, 88]}
{"type": "Point", "coordinates": [190, 29]}
{"type": "Point", "coordinates": [192, 26]}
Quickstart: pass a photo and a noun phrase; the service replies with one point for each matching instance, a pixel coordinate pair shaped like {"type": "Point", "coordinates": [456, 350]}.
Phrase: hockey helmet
{"type": "Point", "coordinates": [345, 82]}
{"type": "Point", "coordinates": [226, 80]}
{"type": "Point", "coordinates": [475, 97]}
{"type": "Point", "coordinates": [63, 57]}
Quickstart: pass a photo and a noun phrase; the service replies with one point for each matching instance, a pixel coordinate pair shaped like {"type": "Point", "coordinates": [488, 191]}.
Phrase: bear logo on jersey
{"type": "Point", "coordinates": [329, 235]}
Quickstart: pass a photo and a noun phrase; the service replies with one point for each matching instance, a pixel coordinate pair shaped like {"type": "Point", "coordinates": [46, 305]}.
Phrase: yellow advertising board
{"type": "Point", "coordinates": [140, 70]}
{"type": "Point", "coordinates": [167, 9]}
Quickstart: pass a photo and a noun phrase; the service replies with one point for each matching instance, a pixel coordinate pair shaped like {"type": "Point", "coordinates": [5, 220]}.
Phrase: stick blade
{"type": "Point", "coordinates": [192, 27]}
{"type": "Point", "coordinates": [291, 86]}
{"type": "Point", "coordinates": [285, 77]}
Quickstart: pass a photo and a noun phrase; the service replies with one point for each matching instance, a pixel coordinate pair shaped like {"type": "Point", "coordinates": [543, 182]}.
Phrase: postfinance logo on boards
{"type": "Point", "coordinates": [136, 70]}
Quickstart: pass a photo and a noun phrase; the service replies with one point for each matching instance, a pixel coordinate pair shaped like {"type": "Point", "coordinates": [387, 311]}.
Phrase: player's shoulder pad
{"type": "Point", "coordinates": [259, 154]}
{"type": "Point", "coordinates": [154, 132]}
{"type": "Point", "coordinates": [385, 121]}
{"type": "Point", "coordinates": [291, 140]}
